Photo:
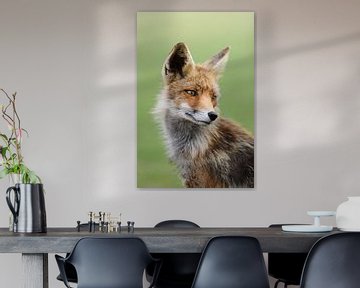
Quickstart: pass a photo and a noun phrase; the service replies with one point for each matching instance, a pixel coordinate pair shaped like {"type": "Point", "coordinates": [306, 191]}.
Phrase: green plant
{"type": "Point", "coordinates": [11, 158]}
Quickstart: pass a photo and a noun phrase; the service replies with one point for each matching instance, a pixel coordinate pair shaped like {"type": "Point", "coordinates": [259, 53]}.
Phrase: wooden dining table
{"type": "Point", "coordinates": [35, 247]}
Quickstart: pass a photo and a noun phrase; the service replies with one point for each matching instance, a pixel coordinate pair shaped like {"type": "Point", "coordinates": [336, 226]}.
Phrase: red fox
{"type": "Point", "coordinates": [208, 150]}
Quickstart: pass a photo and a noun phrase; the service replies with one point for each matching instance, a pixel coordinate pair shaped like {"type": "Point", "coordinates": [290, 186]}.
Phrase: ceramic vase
{"type": "Point", "coordinates": [27, 204]}
{"type": "Point", "coordinates": [348, 214]}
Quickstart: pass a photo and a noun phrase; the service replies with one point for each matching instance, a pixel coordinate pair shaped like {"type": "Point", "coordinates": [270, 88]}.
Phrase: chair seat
{"type": "Point", "coordinates": [177, 270]}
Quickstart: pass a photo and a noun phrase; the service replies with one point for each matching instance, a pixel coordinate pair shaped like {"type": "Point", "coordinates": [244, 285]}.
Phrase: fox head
{"type": "Point", "coordinates": [192, 90]}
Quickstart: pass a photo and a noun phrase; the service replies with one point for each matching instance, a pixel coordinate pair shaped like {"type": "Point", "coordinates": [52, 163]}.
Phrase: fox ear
{"type": "Point", "coordinates": [178, 63]}
{"type": "Point", "coordinates": [218, 61]}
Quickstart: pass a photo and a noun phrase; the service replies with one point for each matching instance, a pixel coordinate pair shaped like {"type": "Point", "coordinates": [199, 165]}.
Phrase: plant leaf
{"type": "Point", "coordinates": [26, 132]}
{"type": "Point", "coordinates": [3, 173]}
{"type": "Point", "coordinates": [4, 137]}
{"type": "Point", "coordinates": [3, 151]}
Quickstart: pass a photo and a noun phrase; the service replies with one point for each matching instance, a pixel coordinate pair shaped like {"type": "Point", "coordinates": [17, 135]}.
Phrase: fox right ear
{"type": "Point", "coordinates": [218, 61]}
{"type": "Point", "coordinates": [178, 63]}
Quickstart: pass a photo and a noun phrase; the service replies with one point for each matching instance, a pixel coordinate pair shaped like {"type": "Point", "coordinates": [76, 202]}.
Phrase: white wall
{"type": "Point", "coordinates": [73, 64]}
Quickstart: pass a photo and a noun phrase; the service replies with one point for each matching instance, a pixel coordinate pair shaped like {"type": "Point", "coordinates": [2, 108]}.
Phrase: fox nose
{"type": "Point", "coordinates": [212, 116]}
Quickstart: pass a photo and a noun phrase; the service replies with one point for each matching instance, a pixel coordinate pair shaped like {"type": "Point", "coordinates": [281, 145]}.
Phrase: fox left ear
{"type": "Point", "coordinates": [218, 61]}
{"type": "Point", "coordinates": [178, 63]}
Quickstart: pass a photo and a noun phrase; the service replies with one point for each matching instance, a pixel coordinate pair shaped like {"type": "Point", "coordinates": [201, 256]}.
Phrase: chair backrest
{"type": "Point", "coordinates": [232, 262]}
{"type": "Point", "coordinates": [110, 262]}
{"type": "Point", "coordinates": [287, 267]}
{"type": "Point", "coordinates": [178, 269]}
{"type": "Point", "coordinates": [176, 224]}
{"type": "Point", "coordinates": [333, 262]}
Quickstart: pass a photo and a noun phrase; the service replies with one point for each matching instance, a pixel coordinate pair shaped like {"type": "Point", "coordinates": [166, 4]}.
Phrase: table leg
{"type": "Point", "coordinates": [35, 270]}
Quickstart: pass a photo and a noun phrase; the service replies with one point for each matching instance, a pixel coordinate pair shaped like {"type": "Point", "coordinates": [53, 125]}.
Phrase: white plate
{"type": "Point", "coordinates": [306, 228]}
{"type": "Point", "coordinates": [321, 213]}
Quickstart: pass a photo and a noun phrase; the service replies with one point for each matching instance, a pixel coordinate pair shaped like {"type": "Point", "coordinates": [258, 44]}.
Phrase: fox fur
{"type": "Point", "coordinates": [208, 150]}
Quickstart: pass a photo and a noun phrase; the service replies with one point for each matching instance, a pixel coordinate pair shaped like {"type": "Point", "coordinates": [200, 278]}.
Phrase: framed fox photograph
{"type": "Point", "coordinates": [195, 100]}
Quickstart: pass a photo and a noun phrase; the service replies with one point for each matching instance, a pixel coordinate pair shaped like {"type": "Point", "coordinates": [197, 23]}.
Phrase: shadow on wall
{"type": "Point", "coordinates": [307, 118]}
{"type": "Point", "coordinates": [311, 47]}
{"type": "Point", "coordinates": [112, 134]}
{"type": "Point", "coordinates": [307, 121]}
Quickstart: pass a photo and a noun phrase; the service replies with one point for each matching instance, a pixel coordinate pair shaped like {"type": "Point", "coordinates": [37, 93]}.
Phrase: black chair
{"type": "Point", "coordinates": [232, 262]}
{"type": "Point", "coordinates": [178, 269]}
{"type": "Point", "coordinates": [176, 224]}
{"type": "Point", "coordinates": [333, 262]}
{"type": "Point", "coordinates": [69, 269]}
{"type": "Point", "coordinates": [108, 263]}
{"type": "Point", "coordinates": [286, 267]}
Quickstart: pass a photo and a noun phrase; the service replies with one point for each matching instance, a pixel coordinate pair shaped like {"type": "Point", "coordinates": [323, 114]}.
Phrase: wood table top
{"type": "Point", "coordinates": [158, 240]}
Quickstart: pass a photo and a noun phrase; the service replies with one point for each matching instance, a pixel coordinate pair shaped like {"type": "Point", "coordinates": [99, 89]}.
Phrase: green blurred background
{"type": "Point", "coordinates": [205, 33]}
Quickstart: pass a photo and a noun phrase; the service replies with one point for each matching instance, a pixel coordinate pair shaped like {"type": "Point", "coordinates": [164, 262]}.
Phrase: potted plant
{"type": "Point", "coordinates": [26, 198]}
{"type": "Point", "coordinates": [11, 158]}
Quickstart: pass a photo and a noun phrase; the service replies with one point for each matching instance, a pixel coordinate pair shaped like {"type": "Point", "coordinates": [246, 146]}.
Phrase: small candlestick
{"type": "Point", "coordinates": [100, 220]}
{"type": "Point", "coordinates": [108, 217]}
{"type": "Point", "coordinates": [90, 221]}
{"type": "Point", "coordinates": [130, 226]}
{"type": "Point", "coordinates": [78, 225]}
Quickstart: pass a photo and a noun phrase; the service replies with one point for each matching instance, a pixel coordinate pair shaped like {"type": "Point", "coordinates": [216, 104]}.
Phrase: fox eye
{"type": "Point", "coordinates": [214, 97]}
{"type": "Point", "coordinates": [191, 92]}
